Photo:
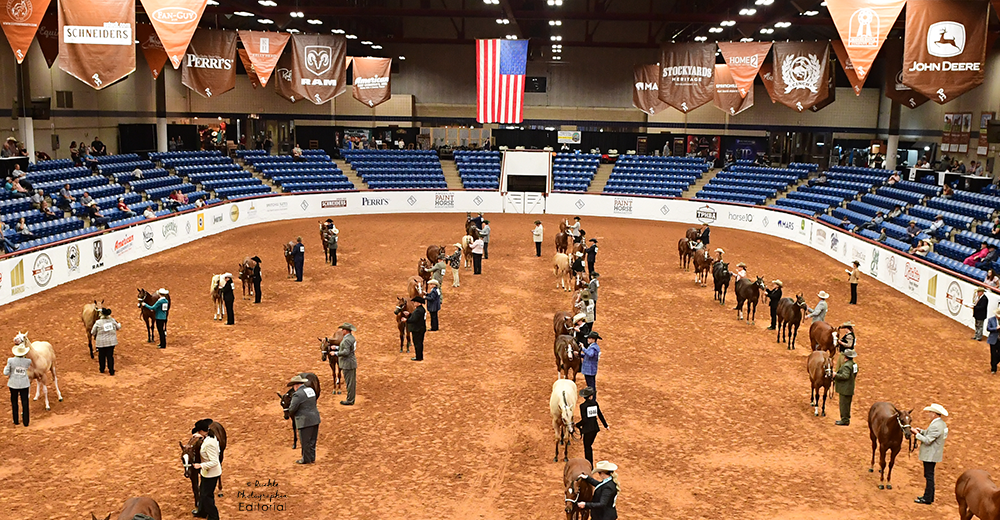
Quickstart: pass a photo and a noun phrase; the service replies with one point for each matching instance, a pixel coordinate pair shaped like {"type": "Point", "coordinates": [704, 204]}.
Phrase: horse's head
{"type": "Point", "coordinates": [324, 346]}
{"type": "Point", "coordinates": [400, 305]}
{"type": "Point", "coordinates": [904, 419]}
{"type": "Point", "coordinates": [189, 453]}
{"type": "Point", "coordinates": [572, 495]}
{"type": "Point", "coordinates": [566, 411]}
{"type": "Point", "coordinates": [286, 400]}
{"type": "Point", "coordinates": [800, 300]}
{"type": "Point", "coordinates": [21, 337]}
{"type": "Point", "coordinates": [760, 283]}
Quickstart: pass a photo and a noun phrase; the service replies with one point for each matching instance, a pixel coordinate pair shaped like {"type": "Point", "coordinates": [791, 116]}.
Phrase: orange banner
{"type": "Point", "coordinates": [248, 65]}
{"type": "Point", "coordinates": [151, 47]}
{"type": "Point", "coordinates": [727, 93]}
{"type": "Point", "coordinates": [48, 36]}
{"type": "Point", "coordinates": [20, 22]}
{"type": "Point", "coordinates": [848, 66]}
{"type": "Point", "coordinates": [263, 49]}
{"type": "Point", "coordinates": [372, 80]}
{"type": "Point", "coordinates": [175, 22]}
{"type": "Point", "coordinates": [97, 40]}
{"type": "Point", "coordinates": [744, 60]}
{"type": "Point", "coordinates": [863, 26]}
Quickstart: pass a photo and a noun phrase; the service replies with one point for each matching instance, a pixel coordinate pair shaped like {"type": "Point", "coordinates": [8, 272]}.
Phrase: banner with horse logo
{"type": "Point", "coordinates": [319, 70]}
{"type": "Point", "coordinates": [944, 54]}
{"type": "Point", "coordinates": [801, 73]}
{"type": "Point", "coordinates": [895, 89]}
{"type": "Point", "coordinates": [727, 92]}
{"type": "Point", "coordinates": [97, 40]}
{"type": "Point", "coordinates": [848, 66]}
{"type": "Point", "coordinates": [175, 22]}
{"type": "Point", "coordinates": [687, 75]}
{"type": "Point", "coordinates": [248, 65]}
{"type": "Point", "coordinates": [283, 78]}
{"type": "Point", "coordinates": [48, 36]}
{"type": "Point", "coordinates": [263, 49]}
{"type": "Point", "coordinates": [372, 82]}
{"type": "Point", "coordinates": [767, 78]}
{"type": "Point", "coordinates": [209, 67]}
{"type": "Point", "coordinates": [20, 22]}
{"type": "Point", "coordinates": [152, 49]}
{"type": "Point", "coordinates": [646, 89]}
{"type": "Point", "coordinates": [863, 26]}
{"type": "Point", "coordinates": [744, 60]}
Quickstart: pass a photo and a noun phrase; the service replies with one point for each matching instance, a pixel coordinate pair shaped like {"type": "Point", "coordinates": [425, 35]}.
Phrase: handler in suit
{"type": "Point", "coordinates": [348, 362]}
{"type": "Point", "coordinates": [931, 448]}
{"type": "Point", "coordinates": [417, 325]}
{"type": "Point", "coordinates": [256, 279]}
{"type": "Point", "coordinates": [993, 326]}
{"type": "Point", "coordinates": [590, 412]}
{"type": "Point", "coordinates": [979, 312]}
{"type": "Point", "coordinates": [299, 255]}
{"type": "Point", "coordinates": [773, 297]}
{"type": "Point", "coordinates": [819, 313]}
{"type": "Point", "coordinates": [303, 406]}
{"type": "Point", "coordinates": [843, 382]}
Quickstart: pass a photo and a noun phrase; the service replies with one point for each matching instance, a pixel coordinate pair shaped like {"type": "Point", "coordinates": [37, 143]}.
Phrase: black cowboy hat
{"type": "Point", "coordinates": [594, 240]}
{"type": "Point", "coordinates": [594, 335]}
{"type": "Point", "coordinates": [106, 311]}
{"type": "Point", "coordinates": [201, 426]}
{"type": "Point", "coordinates": [576, 218]}
{"type": "Point", "coordinates": [537, 222]}
{"type": "Point", "coordinates": [586, 392]}
{"type": "Point", "coordinates": [256, 259]}
{"type": "Point", "coordinates": [856, 263]}
{"type": "Point", "coordinates": [329, 220]}
{"type": "Point", "coordinates": [418, 299]}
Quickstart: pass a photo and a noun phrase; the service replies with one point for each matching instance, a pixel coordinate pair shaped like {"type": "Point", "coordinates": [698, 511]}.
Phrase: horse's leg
{"type": "Point", "coordinates": [90, 345]}
{"type": "Point", "coordinates": [892, 461]}
{"type": "Point", "coordinates": [38, 388]}
{"type": "Point", "coordinates": [55, 382]}
{"type": "Point", "coordinates": [45, 393]}
{"type": "Point", "coordinates": [824, 400]}
{"type": "Point", "coordinates": [871, 467]}
{"type": "Point", "coordinates": [401, 333]}
{"type": "Point", "coordinates": [881, 465]}
{"type": "Point", "coordinates": [795, 334]}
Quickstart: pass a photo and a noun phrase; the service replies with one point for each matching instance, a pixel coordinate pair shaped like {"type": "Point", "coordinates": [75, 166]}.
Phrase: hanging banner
{"type": "Point", "coordinates": [48, 36]}
{"type": "Point", "coordinates": [944, 54]}
{"type": "Point", "coordinates": [687, 75]}
{"type": "Point", "coordinates": [831, 89]}
{"type": "Point", "coordinates": [152, 48]}
{"type": "Point", "coordinates": [801, 73]}
{"type": "Point", "coordinates": [248, 65]}
{"type": "Point", "coordinates": [263, 49]}
{"type": "Point", "coordinates": [20, 23]}
{"type": "Point", "coordinates": [863, 26]}
{"type": "Point", "coordinates": [894, 87]}
{"type": "Point", "coordinates": [283, 78]}
{"type": "Point", "coordinates": [646, 89]}
{"type": "Point", "coordinates": [97, 40]}
{"type": "Point", "coordinates": [372, 84]}
{"type": "Point", "coordinates": [727, 93]}
{"type": "Point", "coordinates": [175, 22]}
{"type": "Point", "coordinates": [767, 78]}
{"type": "Point", "coordinates": [319, 70]}
{"type": "Point", "coordinates": [744, 60]}
{"type": "Point", "coordinates": [848, 66]}
{"type": "Point", "coordinates": [209, 66]}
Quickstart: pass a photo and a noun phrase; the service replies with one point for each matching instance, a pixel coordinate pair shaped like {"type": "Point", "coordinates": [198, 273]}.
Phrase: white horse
{"type": "Point", "coordinates": [561, 405]}
{"type": "Point", "coordinates": [561, 268]}
{"type": "Point", "coordinates": [43, 362]}
{"type": "Point", "coordinates": [216, 291]}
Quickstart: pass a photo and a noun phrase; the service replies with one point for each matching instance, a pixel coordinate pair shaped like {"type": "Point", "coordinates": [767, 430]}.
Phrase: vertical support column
{"type": "Point", "coordinates": [892, 144]}
{"type": "Point", "coordinates": [161, 113]}
{"type": "Point", "coordinates": [25, 125]}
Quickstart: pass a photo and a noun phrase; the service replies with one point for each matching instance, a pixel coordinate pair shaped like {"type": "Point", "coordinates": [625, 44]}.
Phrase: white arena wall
{"type": "Point", "coordinates": [43, 269]}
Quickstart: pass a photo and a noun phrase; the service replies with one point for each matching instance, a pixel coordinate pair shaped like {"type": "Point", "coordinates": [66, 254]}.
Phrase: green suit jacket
{"type": "Point", "coordinates": [844, 378]}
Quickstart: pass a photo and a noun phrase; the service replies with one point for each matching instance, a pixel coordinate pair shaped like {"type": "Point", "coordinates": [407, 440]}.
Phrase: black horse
{"type": "Point", "coordinates": [747, 291]}
{"type": "Point", "coordinates": [721, 276]}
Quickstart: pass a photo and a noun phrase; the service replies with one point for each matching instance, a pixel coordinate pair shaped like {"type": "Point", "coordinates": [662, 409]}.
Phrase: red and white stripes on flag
{"type": "Point", "coordinates": [500, 76]}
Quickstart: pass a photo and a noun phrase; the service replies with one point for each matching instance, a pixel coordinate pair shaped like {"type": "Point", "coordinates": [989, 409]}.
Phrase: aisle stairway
{"type": "Point", "coordinates": [451, 175]}
{"type": "Point", "coordinates": [700, 183]}
{"type": "Point", "coordinates": [600, 178]}
{"type": "Point", "coordinates": [351, 174]}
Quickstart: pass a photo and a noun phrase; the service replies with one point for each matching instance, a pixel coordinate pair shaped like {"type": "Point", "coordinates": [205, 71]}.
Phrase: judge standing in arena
{"type": "Point", "coordinates": [255, 278]}
{"type": "Point", "coordinates": [348, 362]}
{"type": "Point", "coordinates": [417, 325]}
{"type": "Point", "coordinates": [773, 297]}
{"type": "Point", "coordinates": [536, 235]}
{"type": "Point", "coordinates": [299, 255]}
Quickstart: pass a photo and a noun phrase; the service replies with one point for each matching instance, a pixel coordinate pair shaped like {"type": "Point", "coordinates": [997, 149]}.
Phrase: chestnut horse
{"type": "Point", "coordinates": [702, 266]}
{"type": "Point", "coordinates": [562, 242]}
{"type": "Point", "coordinates": [562, 324]}
{"type": "Point", "coordinates": [137, 506]}
{"type": "Point", "coordinates": [191, 455]}
{"type": "Point", "coordinates": [749, 292]}
{"type": "Point", "coordinates": [246, 276]}
{"type": "Point", "coordinates": [290, 258]}
{"type": "Point", "coordinates": [684, 253]}
{"type": "Point", "coordinates": [887, 426]}
{"type": "Point", "coordinates": [977, 495]}
{"type": "Point", "coordinates": [471, 230]}
{"type": "Point", "coordinates": [148, 315]}
{"type": "Point", "coordinates": [577, 489]}
{"type": "Point", "coordinates": [403, 306]}
{"type": "Point", "coordinates": [819, 365]}
{"type": "Point", "coordinates": [434, 253]}
{"type": "Point", "coordinates": [789, 318]}
{"type": "Point", "coordinates": [822, 336]}
{"type": "Point", "coordinates": [91, 313]}
{"type": "Point", "coordinates": [568, 356]}
{"type": "Point", "coordinates": [693, 233]}
{"type": "Point", "coordinates": [414, 287]}
{"type": "Point", "coordinates": [328, 347]}
{"type": "Point", "coordinates": [424, 272]}
{"type": "Point", "coordinates": [286, 401]}
{"type": "Point", "coordinates": [721, 277]}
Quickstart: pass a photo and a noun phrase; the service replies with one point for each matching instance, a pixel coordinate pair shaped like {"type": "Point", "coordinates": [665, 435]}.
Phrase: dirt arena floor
{"type": "Point", "coordinates": [709, 417]}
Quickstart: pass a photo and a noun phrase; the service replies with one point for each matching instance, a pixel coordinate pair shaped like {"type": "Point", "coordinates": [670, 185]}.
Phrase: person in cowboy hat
{"type": "Point", "coordinates": [580, 328]}
{"type": "Point", "coordinates": [593, 286]}
{"type": "Point", "coordinates": [574, 230]}
{"type": "Point", "coordinates": [332, 242]}
{"type": "Point", "coordinates": [228, 296]}
{"type": "Point", "coordinates": [348, 362]}
{"type": "Point", "coordinates": [606, 489]}
{"type": "Point", "coordinates": [536, 235]}
{"type": "Point", "coordinates": [299, 258]}
{"type": "Point", "coordinates": [161, 308]}
{"type": "Point", "coordinates": [843, 382]}
{"type": "Point", "coordinates": [416, 324]}
{"type": "Point", "coordinates": [993, 327]}
{"type": "Point", "coordinates": [718, 254]}
{"type": "Point", "coordinates": [773, 297]}
{"type": "Point", "coordinates": [210, 469]}
{"type": "Point", "coordinates": [455, 261]}
{"type": "Point", "coordinates": [979, 312]}
{"type": "Point", "coordinates": [484, 233]}
{"type": "Point", "coordinates": [819, 313]}
{"type": "Point", "coordinates": [931, 447]}
{"type": "Point", "coordinates": [741, 271]}
{"type": "Point", "coordinates": [255, 278]}
{"type": "Point", "coordinates": [591, 252]}
{"type": "Point", "coordinates": [705, 235]}
{"type": "Point", "coordinates": [433, 298]}
{"type": "Point", "coordinates": [577, 265]}
{"type": "Point", "coordinates": [591, 355]}
{"type": "Point", "coordinates": [590, 412]}
{"type": "Point", "coordinates": [16, 371]}
{"type": "Point", "coordinates": [853, 279]}
{"type": "Point", "coordinates": [105, 333]}
{"type": "Point", "coordinates": [845, 342]}
{"type": "Point", "coordinates": [303, 408]}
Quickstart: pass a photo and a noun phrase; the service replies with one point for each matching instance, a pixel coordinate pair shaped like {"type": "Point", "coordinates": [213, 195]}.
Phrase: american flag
{"type": "Point", "coordinates": [500, 80]}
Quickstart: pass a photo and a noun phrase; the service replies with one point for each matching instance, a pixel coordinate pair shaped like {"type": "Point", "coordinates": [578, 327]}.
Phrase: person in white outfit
{"type": "Point", "coordinates": [931, 448]}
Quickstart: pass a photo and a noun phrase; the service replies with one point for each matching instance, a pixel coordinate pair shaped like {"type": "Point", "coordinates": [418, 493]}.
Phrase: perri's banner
{"type": "Point", "coordinates": [744, 60]}
{"type": "Point", "coordinates": [372, 84]}
{"type": "Point", "coordinates": [687, 75]}
{"type": "Point", "coordinates": [263, 49]}
{"type": "Point", "coordinates": [48, 36]}
{"type": "Point", "coordinates": [175, 22]}
{"type": "Point", "coordinates": [283, 78]}
{"type": "Point", "coordinates": [894, 87]}
{"type": "Point", "coordinates": [646, 89]}
{"type": "Point", "coordinates": [727, 93]}
{"type": "Point", "coordinates": [97, 40]}
{"type": "Point", "coordinates": [319, 69]}
{"type": "Point", "coordinates": [152, 48]}
{"type": "Point", "coordinates": [209, 66]}
{"type": "Point", "coordinates": [801, 73]}
{"type": "Point", "coordinates": [863, 26]}
{"type": "Point", "coordinates": [945, 51]}
{"type": "Point", "coordinates": [848, 66]}
{"type": "Point", "coordinates": [20, 22]}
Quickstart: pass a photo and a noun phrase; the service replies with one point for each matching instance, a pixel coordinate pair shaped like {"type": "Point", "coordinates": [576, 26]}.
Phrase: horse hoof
{"type": "Point", "coordinates": [880, 486]}
{"type": "Point", "coordinates": [824, 414]}
{"type": "Point", "coordinates": [47, 408]}
{"type": "Point", "coordinates": [871, 470]}
{"type": "Point", "coordinates": [556, 459]}
{"type": "Point", "coordinates": [60, 399]}
{"type": "Point", "coordinates": [888, 486]}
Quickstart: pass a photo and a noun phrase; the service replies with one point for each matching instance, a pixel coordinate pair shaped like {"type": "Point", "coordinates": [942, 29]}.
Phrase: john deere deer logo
{"type": "Point", "coordinates": [318, 59]}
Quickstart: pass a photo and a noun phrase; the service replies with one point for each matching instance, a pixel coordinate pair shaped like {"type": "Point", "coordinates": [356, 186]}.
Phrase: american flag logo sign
{"type": "Point", "coordinates": [500, 75]}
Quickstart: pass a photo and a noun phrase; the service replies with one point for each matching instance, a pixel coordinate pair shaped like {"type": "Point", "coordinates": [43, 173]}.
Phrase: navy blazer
{"type": "Point", "coordinates": [991, 326]}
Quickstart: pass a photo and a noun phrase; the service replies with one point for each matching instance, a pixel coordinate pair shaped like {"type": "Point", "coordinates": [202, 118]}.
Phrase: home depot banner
{"type": "Point", "coordinates": [152, 48]}
{"type": "Point", "coordinates": [767, 78]}
{"type": "Point", "coordinates": [263, 48]}
{"type": "Point", "coordinates": [283, 78]}
{"type": "Point", "coordinates": [744, 60]}
{"type": "Point", "coordinates": [97, 40]}
{"type": "Point", "coordinates": [248, 65]}
{"type": "Point", "coordinates": [20, 22]}
{"type": "Point", "coordinates": [895, 89]}
{"type": "Point", "coordinates": [801, 73]}
{"type": "Point", "coordinates": [848, 66]}
{"type": "Point", "coordinates": [371, 80]}
{"type": "Point", "coordinates": [727, 92]}
{"type": "Point", "coordinates": [944, 54]}
{"type": "Point", "coordinates": [863, 26]}
{"type": "Point", "coordinates": [175, 22]}
{"type": "Point", "coordinates": [48, 36]}
{"type": "Point", "coordinates": [646, 89]}
{"type": "Point", "coordinates": [319, 69]}
{"type": "Point", "coordinates": [687, 75]}
{"type": "Point", "coordinates": [209, 66]}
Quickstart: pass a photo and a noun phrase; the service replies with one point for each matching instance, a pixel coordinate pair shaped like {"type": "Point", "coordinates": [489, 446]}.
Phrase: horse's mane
{"type": "Point", "coordinates": [215, 283]}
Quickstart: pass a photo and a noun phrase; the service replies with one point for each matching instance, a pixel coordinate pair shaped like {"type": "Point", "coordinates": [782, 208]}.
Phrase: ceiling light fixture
{"type": "Point", "coordinates": [242, 13]}
{"type": "Point", "coordinates": [212, 2]}
{"type": "Point", "coordinates": [377, 47]}
{"type": "Point", "coordinates": [765, 30]}
{"type": "Point", "coordinates": [782, 25]}
{"type": "Point", "coordinates": [810, 13]}
{"type": "Point", "coordinates": [297, 14]}
{"type": "Point", "coordinates": [265, 21]}
{"type": "Point", "coordinates": [748, 12]}
{"type": "Point", "coordinates": [764, 2]}
{"type": "Point", "coordinates": [746, 39]}
{"type": "Point", "coordinates": [402, 58]}
{"type": "Point", "coordinates": [555, 22]}
{"type": "Point", "coordinates": [293, 30]}
{"type": "Point", "coordinates": [267, 3]}
{"type": "Point", "coordinates": [700, 38]}
{"type": "Point", "coordinates": [555, 3]}
{"type": "Point", "coordinates": [555, 38]}
{"type": "Point", "coordinates": [715, 30]}
{"type": "Point", "coordinates": [491, 2]}
{"type": "Point", "coordinates": [337, 31]}
{"type": "Point", "coordinates": [313, 21]}
{"type": "Point", "coordinates": [556, 49]}
{"type": "Point", "coordinates": [557, 57]}
{"type": "Point", "coordinates": [351, 37]}
{"type": "Point", "coordinates": [365, 42]}
{"type": "Point", "coordinates": [728, 23]}
{"type": "Point", "coordinates": [503, 21]}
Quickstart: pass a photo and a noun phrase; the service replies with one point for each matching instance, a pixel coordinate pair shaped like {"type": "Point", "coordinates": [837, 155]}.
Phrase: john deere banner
{"type": "Point", "coordinates": [944, 54]}
{"type": "Point", "coordinates": [97, 40]}
{"type": "Point", "coordinates": [319, 70]}
{"type": "Point", "coordinates": [175, 22]}
{"type": "Point", "coordinates": [151, 47]}
{"type": "Point", "coordinates": [263, 49]}
{"type": "Point", "coordinates": [48, 36]}
{"type": "Point", "coordinates": [767, 78]}
{"type": "Point", "coordinates": [283, 78]}
{"type": "Point", "coordinates": [894, 87]}
{"type": "Point", "coordinates": [646, 89]}
{"type": "Point", "coordinates": [744, 60]}
{"type": "Point", "coordinates": [209, 66]}
{"type": "Point", "coordinates": [371, 80]}
{"type": "Point", "coordinates": [801, 71]}
{"type": "Point", "coordinates": [687, 75]}
{"type": "Point", "coordinates": [248, 65]}
{"type": "Point", "coordinates": [727, 93]}
{"type": "Point", "coordinates": [863, 26]}
{"type": "Point", "coordinates": [848, 66]}
{"type": "Point", "coordinates": [20, 22]}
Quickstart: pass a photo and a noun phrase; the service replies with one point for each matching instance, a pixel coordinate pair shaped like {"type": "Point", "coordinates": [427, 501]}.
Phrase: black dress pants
{"type": "Point", "coordinates": [588, 446]}
{"type": "Point", "coordinates": [229, 312]}
{"type": "Point", "coordinates": [22, 394]}
{"type": "Point", "coordinates": [774, 316]}
{"type": "Point", "coordinates": [418, 344]}
{"type": "Point", "coordinates": [477, 263]}
{"type": "Point", "coordinates": [434, 321]}
{"type": "Point", "coordinates": [854, 293]}
{"type": "Point", "coordinates": [256, 291]}
{"type": "Point", "coordinates": [486, 250]}
{"type": "Point", "coordinates": [929, 477]}
{"type": "Point", "coordinates": [994, 356]}
{"type": "Point", "coordinates": [206, 498]}
{"type": "Point", "coordinates": [333, 257]}
{"type": "Point", "coordinates": [161, 329]}
{"type": "Point", "coordinates": [308, 437]}
{"type": "Point", "coordinates": [538, 249]}
{"type": "Point", "coordinates": [106, 355]}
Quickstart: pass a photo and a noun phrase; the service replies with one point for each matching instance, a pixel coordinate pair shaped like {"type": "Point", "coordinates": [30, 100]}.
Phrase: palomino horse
{"type": "Point", "coordinates": [191, 455]}
{"type": "Point", "coordinates": [216, 291]}
{"type": "Point", "coordinates": [887, 426]}
{"type": "Point", "coordinates": [91, 313]}
{"type": "Point", "coordinates": [403, 309]}
{"type": "Point", "coordinates": [822, 336]}
{"type": "Point", "coordinates": [414, 287]}
{"type": "Point", "coordinates": [467, 241]}
{"type": "Point", "coordinates": [749, 292]}
{"type": "Point", "coordinates": [693, 233]}
{"type": "Point", "coordinates": [561, 267]}
{"type": "Point", "coordinates": [424, 271]}
{"type": "Point", "coordinates": [702, 266]}
{"type": "Point", "coordinates": [684, 253]}
{"type": "Point", "coordinates": [148, 315]}
{"type": "Point", "coordinates": [286, 401]}
{"type": "Point", "coordinates": [43, 363]}
{"type": "Point", "coordinates": [328, 347]}
{"type": "Point", "coordinates": [138, 506]}
{"type": "Point", "coordinates": [577, 489]}
{"type": "Point", "coordinates": [246, 276]}
{"type": "Point", "coordinates": [721, 277]}
{"type": "Point", "coordinates": [289, 258]}
{"type": "Point", "coordinates": [568, 356]}
{"type": "Point", "coordinates": [977, 496]}
{"type": "Point", "coordinates": [819, 365]}
{"type": "Point", "coordinates": [561, 405]}
{"type": "Point", "coordinates": [789, 318]}
{"type": "Point", "coordinates": [562, 323]}
{"type": "Point", "coordinates": [434, 253]}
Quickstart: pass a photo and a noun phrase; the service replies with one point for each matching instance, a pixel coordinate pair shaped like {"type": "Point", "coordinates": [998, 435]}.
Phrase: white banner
{"type": "Point", "coordinates": [568, 137]}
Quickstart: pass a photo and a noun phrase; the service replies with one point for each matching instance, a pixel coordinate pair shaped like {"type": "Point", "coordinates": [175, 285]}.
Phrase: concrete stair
{"type": "Point", "coordinates": [451, 175]}
{"type": "Point", "coordinates": [600, 178]}
{"type": "Point", "coordinates": [700, 183]}
{"type": "Point", "coordinates": [351, 174]}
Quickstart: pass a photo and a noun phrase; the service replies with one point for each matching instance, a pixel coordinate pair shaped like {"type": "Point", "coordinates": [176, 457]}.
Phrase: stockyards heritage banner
{"type": "Point", "coordinates": [894, 87]}
{"type": "Point", "coordinates": [848, 66]}
{"type": "Point", "coordinates": [151, 47]}
{"type": "Point", "coordinates": [248, 65]}
{"type": "Point", "coordinates": [283, 78]}
{"type": "Point", "coordinates": [371, 80]}
{"type": "Point", "coordinates": [209, 66]}
{"type": "Point", "coordinates": [744, 60]}
{"type": "Point", "coordinates": [175, 22]}
{"type": "Point", "coordinates": [801, 71]}
{"type": "Point", "coordinates": [48, 36]}
{"type": "Point", "coordinates": [319, 70]}
{"type": "Point", "coordinates": [767, 78]}
{"type": "Point", "coordinates": [97, 40]}
{"type": "Point", "coordinates": [687, 75]}
{"type": "Point", "coordinates": [944, 53]}
{"type": "Point", "coordinates": [263, 49]}
{"type": "Point", "coordinates": [863, 26]}
{"type": "Point", "coordinates": [646, 89]}
{"type": "Point", "coordinates": [727, 93]}
{"type": "Point", "coordinates": [20, 22]}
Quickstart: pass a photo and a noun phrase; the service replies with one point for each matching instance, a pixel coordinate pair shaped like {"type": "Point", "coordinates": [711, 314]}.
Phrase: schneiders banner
{"type": "Point", "coordinates": [319, 70]}
{"type": "Point", "coordinates": [371, 80]}
{"type": "Point", "coordinates": [801, 72]}
{"type": "Point", "coordinates": [895, 89]}
{"type": "Point", "coordinates": [945, 47]}
{"type": "Point", "coordinates": [283, 78]}
{"type": "Point", "coordinates": [152, 48]}
{"type": "Point", "coordinates": [20, 22]}
{"type": "Point", "coordinates": [48, 36]}
{"type": "Point", "coordinates": [727, 93]}
{"type": "Point", "coordinates": [863, 26]}
{"type": "Point", "coordinates": [646, 89]}
{"type": "Point", "coordinates": [848, 66]}
{"type": "Point", "coordinates": [209, 67]}
{"type": "Point", "coordinates": [97, 40]}
{"type": "Point", "coordinates": [687, 75]}
{"type": "Point", "coordinates": [263, 49]}
{"type": "Point", "coordinates": [744, 60]}
{"type": "Point", "coordinates": [248, 65]}
{"type": "Point", "coordinates": [767, 78]}
{"type": "Point", "coordinates": [175, 22]}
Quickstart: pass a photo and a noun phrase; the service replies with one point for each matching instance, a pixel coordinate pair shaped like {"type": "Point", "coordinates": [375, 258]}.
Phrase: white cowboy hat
{"type": "Point", "coordinates": [605, 466]}
{"type": "Point", "coordinates": [579, 317]}
{"type": "Point", "coordinates": [20, 350]}
{"type": "Point", "coordinates": [458, 245]}
{"type": "Point", "coordinates": [719, 250]}
{"type": "Point", "coordinates": [741, 264]}
{"type": "Point", "coordinates": [163, 292]}
{"type": "Point", "coordinates": [578, 253]}
{"type": "Point", "coordinates": [227, 275]}
{"type": "Point", "coordinates": [432, 281]}
{"type": "Point", "coordinates": [778, 283]}
{"type": "Point", "coordinates": [822, 295]}
{"type": "Point", "coordinates": [936, 408]}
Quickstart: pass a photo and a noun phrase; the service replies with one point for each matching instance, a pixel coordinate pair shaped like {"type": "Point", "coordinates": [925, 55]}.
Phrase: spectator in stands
{"type": "Point", "coordinates": [820, 181]}
{"type": "Point", "coordinates": [9, 148]}
{"type": "Point", "coordinates": [91, 206]}
{"type": "Point", "coordinates": [912, 231]}
{"type": "Point", "coordinates": [137, 174]}
{"type": "Point", "coordinates": [22, 228]}
{"type": "Point", "coordinates": [97, 147]}
{"type": "Point", "coordinates": [947, 192]}
{"type": "Point", "coordinates": [172, 145]}
{"type": "Point", "coordinates": [882, 236]}
{"type": "Point", "coordinates": [8, 246]}
{"type": "Point", "coordinates": [10, 188]}
{"type": "Point", "coordinates": [974, 258]}
{"type": "Point", "coordinates": [74, 153]}
{"type": "Point", "coordinates": [845, 222]}
{"type": "Point", "coordinates": [65, 198]}
{"type": "Point", "coordinates": [46, 210]}
{"type": "Point", "coordinates": [935, 226]}
{"type": "Point", "coordinates": [199, 203]}
{"type": "Point", "coordinates": [961, 167]}
{"type": "Point", "coordinates": [875, 222]}
{"type": "Point", "coordinates": [149, 213]}
{"type": "Point", "coordinates": [37, 198]}
{"type": "Point", "coordinates": [921, 250]}
{"type": "Point", "coordinates": [123, 207]}
{"type": "Point", "coordinates": [88, 159]}
{"type": "Point", "coordinates": [897, 211]}
{"type": "Point", "coordinates": [893, 179]}
{"type": "Point", "coordinates": [990, 257]}
{"type": "Point", "coordinates": [995, 227]}
{"type": "Point", "coordinates": [923, 163]}
{"type": "Point", "coordinates": [992, 279]}
{"type": "Point", "coordinates": [87, 200]}
{"type": "Point", "coordinates": [977, 167]}
{"type": "Point", "coordinates": [297, 153]}
{"type": "Point", "coordinates": [22, 178]}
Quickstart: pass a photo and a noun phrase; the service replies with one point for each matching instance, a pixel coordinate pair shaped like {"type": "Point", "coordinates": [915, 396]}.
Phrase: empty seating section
{"type": "Point", "coordinates": [748, 184]}
{"type": "Point", "coordinates": [55, 164]}
{"type": "Point", "coordinates": [479, 170]}
{"type": "Point", "coordinates": [317, 174]}
{"type": "Point", "coordinates": [663, 176]}
{"type": "Point", "coordinates": [574, 171]}
{"type": "Point", "coordinates": [55, 174]}
{"type": "Point", "coordinates": [397, 169]}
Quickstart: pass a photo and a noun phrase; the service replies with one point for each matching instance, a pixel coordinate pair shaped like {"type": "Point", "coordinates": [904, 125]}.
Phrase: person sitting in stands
{"type": "Point", "coordinates": [90, 205]}
{"type": "Point", "coordinates": [992, 279]}
{"type": "Point", "coordinates": [882, 236]}
{"type": "Point", "coordinates": [65, 198]}
{"type": "Point", "coordinates": [974, 258]}
{"type": "Point", "coordinates": [912, 231]}
{"type": "Point", "coordinates": [820, 181]}
{"type": "Point", "coordinates": [8, 245]}
{"type": "Point", "coordinates": [874, 223]}
{"type": "Point", "coordinates": [925, 247]}
{"type": "Point", "coordinates": [935, 226]}
{"type": "Point", "coordinates": [922, 163]}
{"type": "Point", "coordinates": [22, 228]}
{"type": "Point", "coordinates": [46, 210]}
{"type": "Point", "coordinates": [37, 198]}
{"type": "Point", "coordinates": [11, 186]}
{"type": "Point", "coordinates": [124, 207]}
{"type": "Point", "coordinates": [97, 147]}
{"type": "Point", "coordinates": [199, 203]}
{"type": "Point", "coordinates": [297, 153]}
{"type": "Point", "coordinates": [149, 213]}
{"type": "Point", "coordinates": [961, 167]}
{"type": "Point", "coordinates": [989, 259]}
{"type": "Point", "coordinates": [978, 167]}
{"type": "Point", "coordinates": [897, 211]}
{"type": "Point", "coordinates": [893, 179]}
{"type": "Point", "coordinates": [173, 200]}
{"type": "Point", "coordinates": [947, 192]}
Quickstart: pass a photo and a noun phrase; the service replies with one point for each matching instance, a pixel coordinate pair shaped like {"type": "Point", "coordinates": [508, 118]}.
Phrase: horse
{"type": "Point", "coordinates": [216, 292]}
{"type": "Point", "coordinates": [191, 455]}
{"type": "Point", "coordinates": [822, 336]}
{"type": "Point", "coordinates": [684, 253]}
{"type": "Point", "coordinates": [471, 230]}
{"type": "Point", "coordinates": [403, 305]}
{"type": "Point", "coordinates": [43, 363]}
{"type": "Point", "coordinates": [569, 357]}
{"type": "Point", "coordinates": [434, 253]}
{"type": "Point", "coordinates": [290, 258]}
{"type": "Point", "coordinates": [414, 287]}
{"type": "Point", "coordinates": [977, 495]}
{"type": "Point", "coordinates": [789, 318]}
{"type": "Point", "coordinates": [749, 292]}
{"type": "Point", "coordinates": [887, 426]}
{"type": "Point", "coordinates": [561, 267]}
{"type": "Point", "coordinates": [326, 346]}
{"type": "Point", "coordinates": [702, 266]}
{"type": "Point", "coordinates": [246, 276]}
{"type": "Point", "coordinates": [819, 365]}
{"type": "Point", "coordinates": [562, 324]}
{"type": "Point", "coordinates": [137, 506]}
{"type": "Point", "coordinates": [692, 233]}
{"type": "Point", "coordinates": [424, 271]}
{"type": "Point", "coordinates": [324, 237]}
{"type": "Point", "coordinates": [562, 242]}
{"type": "Point", "coordinates": [467, 251]}
{"type": "Point", "coordinates": [561, 405]}
{"type": "Point", "coordinates": [91, 313]}
{"type": "Point", "coordinates": [286, 401]}
{"type": "Point", "coordinates": [577, 489]}
{"type": "Point", "coordinates": [149, 315]}
{"type": "Point", "coordinates": [721, 277]}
